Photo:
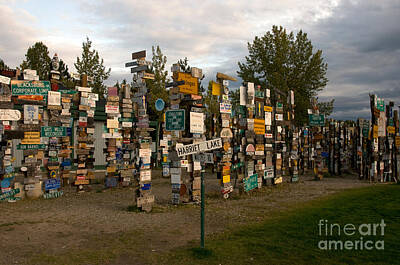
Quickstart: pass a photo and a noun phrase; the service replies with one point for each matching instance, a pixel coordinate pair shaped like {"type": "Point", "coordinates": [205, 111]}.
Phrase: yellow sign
{"type": "Point", "coordinates": [259, 126]}
{"type": "Point", "coordinates": [31, 135]}
{"type": "Point", "coordinates": [397, 141]}
{"type": "Point", "coordinates": [216, 89]}
{"type": "Point", "coordinates": [191, 83]}
{"type": "Point", "coordinates": [268, 108]}
{"type": "Point", "coordinates": [30, 141]}
{"type": "Point", "coordinates": [391, 129]}
{"type": "Point", "coordinates": [375, 131]}
{"type": "Point", "coordinates": [226, 179]}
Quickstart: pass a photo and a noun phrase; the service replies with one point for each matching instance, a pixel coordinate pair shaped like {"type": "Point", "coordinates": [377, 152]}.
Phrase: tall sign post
{"type": "Point", "coordinates": [143, 195]}
{"type": "Point", "coordinates": [225, 133]}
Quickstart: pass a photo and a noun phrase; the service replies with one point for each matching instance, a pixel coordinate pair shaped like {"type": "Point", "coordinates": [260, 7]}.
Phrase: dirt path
{"type": "Point", "coordinates": [95, 227]}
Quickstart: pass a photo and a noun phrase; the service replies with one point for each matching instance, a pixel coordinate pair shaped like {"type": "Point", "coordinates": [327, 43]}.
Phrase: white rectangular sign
{"type": "Point", "coordinates": [144, 152]}
{"type": "Point", "coordinates": [196, 122]}
{"type": "Point", "coordinates": [199, 147]}
{"type": "Point", "coordinates": [112, 109]}
{"type": "Point", "coordinates": [54, 98]}
{"type": "Point", "coordinates": [5, 80]}
{"type": "Point", "coordinates": [145, 175]}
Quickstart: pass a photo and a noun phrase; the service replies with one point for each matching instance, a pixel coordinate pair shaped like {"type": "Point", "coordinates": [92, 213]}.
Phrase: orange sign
{"type": "Point", "coordinates": [191, 83]}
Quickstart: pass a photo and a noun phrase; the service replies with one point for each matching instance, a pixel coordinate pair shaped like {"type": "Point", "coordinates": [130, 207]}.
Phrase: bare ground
{"type": "Point", "coordinates": [97, 228]}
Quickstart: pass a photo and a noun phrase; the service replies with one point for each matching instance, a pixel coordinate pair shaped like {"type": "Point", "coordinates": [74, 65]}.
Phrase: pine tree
{"type": "Point", "coordinates": [279, 60]}
{"type": "Point", "coordinates": [93, 66]}
{"type": "Point", "coordinates": [37, 58]}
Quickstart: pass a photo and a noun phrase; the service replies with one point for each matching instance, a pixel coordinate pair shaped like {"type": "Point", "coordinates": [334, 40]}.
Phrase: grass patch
{"type": "Point", "coordinates": [292, 237]}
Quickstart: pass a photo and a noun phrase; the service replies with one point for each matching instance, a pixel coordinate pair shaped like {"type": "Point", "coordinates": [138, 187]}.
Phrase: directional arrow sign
{"type": "Point", "coordinates": [10, 115]}
{"type": "Point", "coordinates": [138, 55]}
{"type": "Point", "coordinates": [196, 148]}
{"type": "Point", "coordinates": [175, 84]}
{"type": "Point", "coordinates": [139, 69]}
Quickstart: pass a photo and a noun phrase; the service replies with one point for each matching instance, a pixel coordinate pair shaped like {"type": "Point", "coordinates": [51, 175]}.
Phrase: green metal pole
{"type": "Point", "coordinates": [202, 209]}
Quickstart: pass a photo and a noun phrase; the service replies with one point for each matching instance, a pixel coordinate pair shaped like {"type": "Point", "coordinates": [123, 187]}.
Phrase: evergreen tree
{"type": "Point", "coordinates": [91, 64]}
{"type": "Point", "coordinates": [37, 58]}
{"type": "Point", "coordinates": [279, 60]}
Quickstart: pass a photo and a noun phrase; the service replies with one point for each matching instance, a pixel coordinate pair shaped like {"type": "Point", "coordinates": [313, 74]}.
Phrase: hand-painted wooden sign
{"type": "Point", "coordinates": [48, 131]}
{"type": "Point", "coordinates": [5, 80]}
{"type": "Point", "coordinates": [10, 115]}
{"type": "Point", "coordinates": [199, 147]}
{"type": "Point", "coordinates": [175, 120]}
{"type": "Point", "coordinates": [139, 55]}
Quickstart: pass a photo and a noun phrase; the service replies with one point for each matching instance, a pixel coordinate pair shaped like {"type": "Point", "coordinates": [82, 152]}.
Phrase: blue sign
{"type": "Point", "coordinates": [160, 104]}
{"type": "Point", "coordinates": [66, 163]}
{"type": "Point", "coordinates": [325, 154]}
{"type": "Point", "coordinates": [51, 184]}
{"type": "Point", "coordinates": [146, 186]}
{"type": "Point", "coordinates": [111, 182]}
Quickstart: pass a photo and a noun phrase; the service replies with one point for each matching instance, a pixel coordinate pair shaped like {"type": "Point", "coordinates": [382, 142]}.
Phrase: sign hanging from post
{"type": "Point", "coordinates": [175, 120]}
{"type": "Point", "coordinates": [191, 149]}
{"type": "Point", "coordinates": [10, 115]}
{"type": "Point", "coordinates": [191, 83]}
{"type": "Point", "coordinates": [196, 122]}
{"type": "Point", "coordinates": [316, 119]}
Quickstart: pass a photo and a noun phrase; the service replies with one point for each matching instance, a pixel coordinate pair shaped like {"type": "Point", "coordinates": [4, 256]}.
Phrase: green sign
{"type": "Point", "coordinates": [48, 131]}
{"type": "Point", "coordinates": [259, 94]}
{"type": "Point", "coordinates": [30, 146]}
{"type": "Point", "coordinates": [68, 91]}
{"type": "Point", "coordinates": [380, 104]}
{"type": "Point", "coordinates": [175, 120]}
{"type": "Point", "coordinates": [251, 182]}
{"type": "Point", "coordinates": [53, 194]}
{"type": "Point", "coordinates": [23, 87]}
{"type": "Point", "coordinates": [9, 194]}
{"type": "Point", "coordinates": [125, 119]}
{"type": "Point", "coordinates": [316, 119]}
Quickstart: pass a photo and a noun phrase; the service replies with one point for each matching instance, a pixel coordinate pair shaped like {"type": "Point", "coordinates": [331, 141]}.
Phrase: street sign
{"type": "Point", "coordinates": [316, 119]}
{"type": "Point", "coordinates": [207, 158]}
{"type": "Point", "coordinates": [51, 184]}
{"type": "Point", "coordinates": [23, 87]}
{"type": "Point", "coordinates": [259, 126]}
{"type": "Point", "coordinates": [199, 147]}
{"type": "Point", "coordinates": [139, 69]}
{"type": "Point", "coordinates": [30, 146]}
{"type": "Point", "coordinates": [10, 115]}
{"type": "Point", "coordinates": [174, 84]}
{"type": "Point", "coordinates": [175, 120]}
{"type": "Point", "coordinates": [191, 83]}
{"type": "Point", "coordinates": [251, 182]}
{"type": "Point", "coordinates": [48, 131]}
{"type": "Point", "coordinates": [139, 55]}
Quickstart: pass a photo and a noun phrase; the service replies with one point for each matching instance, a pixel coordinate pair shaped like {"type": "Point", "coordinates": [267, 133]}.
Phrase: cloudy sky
{"type": "Point", "coordinates": [360, 39]}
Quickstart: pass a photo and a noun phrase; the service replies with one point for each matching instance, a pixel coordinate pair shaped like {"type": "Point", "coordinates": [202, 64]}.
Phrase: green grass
{"type": "Point", "coordinates": [292, 237]}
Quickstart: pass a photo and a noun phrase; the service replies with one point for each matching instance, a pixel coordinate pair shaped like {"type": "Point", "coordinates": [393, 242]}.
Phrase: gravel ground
{"type": "Point", "coordinates": [96, 219]}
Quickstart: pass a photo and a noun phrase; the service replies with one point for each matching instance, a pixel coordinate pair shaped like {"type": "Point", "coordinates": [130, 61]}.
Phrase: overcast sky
{"type": "Point", "coordinates": [360, 39]}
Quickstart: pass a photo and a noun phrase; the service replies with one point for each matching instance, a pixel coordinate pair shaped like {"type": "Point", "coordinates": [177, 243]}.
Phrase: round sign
{"type": "Point", "coordinates": [23, 169]}
{"type": "Point", "coordinates": [160, 104]}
